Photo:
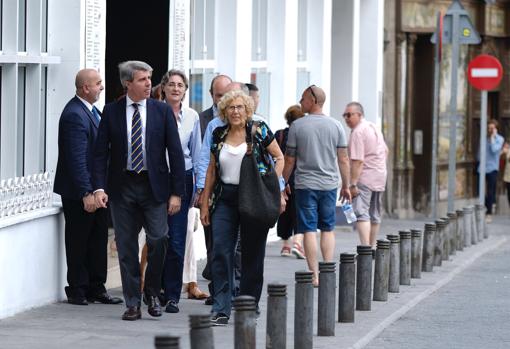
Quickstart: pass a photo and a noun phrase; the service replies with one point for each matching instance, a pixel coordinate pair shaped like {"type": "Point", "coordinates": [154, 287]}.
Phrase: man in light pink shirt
{"type": "Point", "coordinates": [368, 153]}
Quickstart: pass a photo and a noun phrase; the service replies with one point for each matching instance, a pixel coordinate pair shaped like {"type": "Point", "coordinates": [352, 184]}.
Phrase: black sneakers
{"type": "Point", "coordinates": [219, 319]}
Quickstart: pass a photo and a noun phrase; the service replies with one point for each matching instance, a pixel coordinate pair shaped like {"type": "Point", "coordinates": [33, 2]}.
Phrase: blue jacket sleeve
{"type": "Point", "coordinates": [205, 156]}
{"type": "Point", "coordinates": [195, 144]}
{"type": "Point", "coordinates": [75, 140]}
{"type": "Point", "coordinates": [175, 155]}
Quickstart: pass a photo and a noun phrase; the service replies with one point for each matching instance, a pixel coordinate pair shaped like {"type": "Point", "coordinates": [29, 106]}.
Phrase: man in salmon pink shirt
{"type": "Point", "coordinates": [368, 153]}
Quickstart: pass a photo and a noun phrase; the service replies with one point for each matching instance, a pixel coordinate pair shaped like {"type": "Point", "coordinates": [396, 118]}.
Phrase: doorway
{"type": "Point", "coordinates": [135, 30]}
{"type": "Point", "coordinates": [422, 121]}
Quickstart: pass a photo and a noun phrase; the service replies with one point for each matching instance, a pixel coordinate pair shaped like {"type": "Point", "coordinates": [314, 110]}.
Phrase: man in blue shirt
{"type": "Point", "coordinates": [494, 145]}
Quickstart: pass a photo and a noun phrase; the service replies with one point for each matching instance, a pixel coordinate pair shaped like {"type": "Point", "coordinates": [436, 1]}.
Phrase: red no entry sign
{"type": "Point", "coordinates": [485, 72]}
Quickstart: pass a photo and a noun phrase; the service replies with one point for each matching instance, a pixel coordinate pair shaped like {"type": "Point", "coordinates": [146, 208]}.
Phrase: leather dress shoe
{"type": "Point", "coordinates": [154, 306]}
{"type": "Point", "coordinates": [104, 298]}
{"type": "Point", "coordinates": [77, 300]}
{"type": "Point", "coordinates": [132, 314]}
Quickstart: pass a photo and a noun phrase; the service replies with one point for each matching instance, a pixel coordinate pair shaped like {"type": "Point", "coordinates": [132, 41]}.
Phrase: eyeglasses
{"type": "Point", "coordinates": [310, 88]}
{"type": "Point", "coordinates": [179, 85]}
{"type": "Point", "coordinates": [348, 115]}
{"type": "Point", "coordinates": [233, 108]}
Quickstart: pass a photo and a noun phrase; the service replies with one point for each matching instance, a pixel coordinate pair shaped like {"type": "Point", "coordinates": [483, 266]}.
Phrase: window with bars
{"type": "Point", "coordinates": [23, 86]}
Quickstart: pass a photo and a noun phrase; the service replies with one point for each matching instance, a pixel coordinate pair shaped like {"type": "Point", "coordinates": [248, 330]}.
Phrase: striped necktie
{"type": "Point", "coordinates": [136, 141]}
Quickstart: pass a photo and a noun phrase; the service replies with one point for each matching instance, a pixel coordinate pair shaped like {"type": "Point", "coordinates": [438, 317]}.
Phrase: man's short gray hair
{"type": "Point", "coordinates": [357, 105]}
{"type": "Point", "coordinates": [127, 70]}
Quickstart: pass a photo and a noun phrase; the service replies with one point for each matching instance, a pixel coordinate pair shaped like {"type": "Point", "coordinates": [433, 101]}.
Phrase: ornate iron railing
{"type": "Point", "coordinates": [24, 194]}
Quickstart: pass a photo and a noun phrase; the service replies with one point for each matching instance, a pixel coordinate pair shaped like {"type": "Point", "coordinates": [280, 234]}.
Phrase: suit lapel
{"type": "Point", "coordinates": [91, 116]}
{"type": "Point", "coordinates": [121, 120]}
{"type": "Point", "coordinates": [148, 121]}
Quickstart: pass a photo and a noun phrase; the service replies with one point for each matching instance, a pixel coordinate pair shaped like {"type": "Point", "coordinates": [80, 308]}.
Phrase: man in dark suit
{"type": "Point", "coordinates": [218, 87]}
{"type": "Point", "coordinates": [131, 172]}
{"type": "Point", "coordinates": [86, 229]}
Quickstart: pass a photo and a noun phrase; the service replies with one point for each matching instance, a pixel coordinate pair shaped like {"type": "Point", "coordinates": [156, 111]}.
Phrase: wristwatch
{"type": "Point", "coordinates": [353, 186]}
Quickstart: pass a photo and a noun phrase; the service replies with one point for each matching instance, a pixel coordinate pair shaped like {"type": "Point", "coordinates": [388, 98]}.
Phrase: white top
{"type": "Point", "coordinates": [130, 110]}
{"type": "Point", "coordinates": [231, 158]}
{"type": "Point", "coordinates": [188, 125]}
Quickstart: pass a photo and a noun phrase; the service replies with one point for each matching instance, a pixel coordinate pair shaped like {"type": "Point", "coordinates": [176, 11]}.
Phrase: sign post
{"type": "Point", "coordinates": [435, 112]}
{"type": "Point", "coordinates": [457, 30]}
{"type": "Point", "coordinates": [484, 73]}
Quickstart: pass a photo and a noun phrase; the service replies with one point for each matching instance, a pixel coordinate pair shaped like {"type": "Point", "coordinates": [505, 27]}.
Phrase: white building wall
{"type": "Point", "coordinates": [319, 34]}
{"type": "Point", "coordinates": [233, 38]}
{"type": "Point", "coordinates": [371, 35]}
{"type": "Point", "coordinates": [32, 261]}
{"type": "Point", "coordinates": [281, 58]}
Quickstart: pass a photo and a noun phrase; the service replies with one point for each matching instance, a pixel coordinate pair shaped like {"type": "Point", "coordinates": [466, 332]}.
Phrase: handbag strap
{"type": "Point", "coordinates": [249, 138]}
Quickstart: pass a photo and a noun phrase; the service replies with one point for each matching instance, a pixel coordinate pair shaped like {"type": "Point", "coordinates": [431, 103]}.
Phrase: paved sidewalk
{"type": "Point", "coordinates": [62, 325]}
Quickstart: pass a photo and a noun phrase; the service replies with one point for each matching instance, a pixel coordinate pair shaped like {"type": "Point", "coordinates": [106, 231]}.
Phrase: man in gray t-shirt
{"type": "Point", "coordinates": [316, 147]}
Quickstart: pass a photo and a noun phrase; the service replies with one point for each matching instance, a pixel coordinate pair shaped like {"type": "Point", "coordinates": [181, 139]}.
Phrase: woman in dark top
{"type": "Point", "coordinates": [287, 223]}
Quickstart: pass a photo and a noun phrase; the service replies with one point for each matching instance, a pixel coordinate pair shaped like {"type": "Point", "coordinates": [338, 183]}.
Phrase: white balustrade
{"type": "Point", "coordinates": [24, 194]}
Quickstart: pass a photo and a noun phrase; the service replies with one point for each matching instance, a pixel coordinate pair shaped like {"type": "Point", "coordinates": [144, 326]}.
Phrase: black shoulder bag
{"type": "Point", "coordinates": [259, 195]}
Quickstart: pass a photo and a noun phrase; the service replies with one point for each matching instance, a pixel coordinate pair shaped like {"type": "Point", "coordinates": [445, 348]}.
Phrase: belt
{"type": "Point", "coordinates": [136, 174]}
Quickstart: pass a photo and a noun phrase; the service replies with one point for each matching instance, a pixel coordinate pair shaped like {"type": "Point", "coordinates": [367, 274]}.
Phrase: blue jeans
{"type": "Point", "coordinates": [226, 223]}
{"type": "Point", "coordinates": [174, 261]}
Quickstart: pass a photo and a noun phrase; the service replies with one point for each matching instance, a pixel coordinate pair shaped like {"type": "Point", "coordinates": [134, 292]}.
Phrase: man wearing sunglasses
{"type": "Point", "coordinates": [316, 146]}
{"type": "Point", "coordinates": [368, 153]}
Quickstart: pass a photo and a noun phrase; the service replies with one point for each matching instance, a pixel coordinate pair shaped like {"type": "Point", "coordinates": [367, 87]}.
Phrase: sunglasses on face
{"type": "Point", "coordinates": [348, 115]}
{"type": "Point", "coordinates": [310, 88]}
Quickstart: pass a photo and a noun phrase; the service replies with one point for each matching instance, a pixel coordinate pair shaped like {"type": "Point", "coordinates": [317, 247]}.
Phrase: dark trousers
{"type": "Point", "coordinates": [491, 179]}
{"type": "Point", "coordinates": [136, 207]}
{"type": "Point", "coordinates": [174, 261]}
{"type": "Point", "coordinates": [508, 191]}
{"type": "Point", "coordinates": [287, 222]}
{"type": "Point", "coordinates": [86, 238]}
{"type": "Point", "coordinates": [226, 224]}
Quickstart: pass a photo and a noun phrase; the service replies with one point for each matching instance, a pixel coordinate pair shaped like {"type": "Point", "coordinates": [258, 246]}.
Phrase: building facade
{"type": "Point", "coordinates": [408, 101]}
{"type": "Point", "coordinates": [283, 46]}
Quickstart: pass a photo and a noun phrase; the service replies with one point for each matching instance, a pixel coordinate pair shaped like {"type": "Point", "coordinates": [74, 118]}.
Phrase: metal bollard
{"type": "Point", "coordinates": [394, 279]}
{"type": "Point", "coordinates": [327, 299]}
{"type": "Point", "coordinates": [438, 242]}
{"type": "Point", "coordinates": [446, 239]}
{"type": "Point", "coordinates": [303, 311]}
{"type": "Point", "coordinates": [452, 216]}
{"type": "Point", "coordinates": [474, 230]}
{"type": "Point", "coordinates": [245, 323]}
{"type": "Point", "coordinates": [405, 257]}
{"type": "Point", "coordinates": [276, 330]}
{"type": "Point", "coordinates": [382, 270]}
{"type": "Point", "coordinates": [460, 230]}
{"type": "Point", "coordinates": [166, 342]}
{"type": "Point", "coordinates": [200, 333]}
{"type": "Point", "coordinates": [364, 278]}
{"type": "Point", "coordinates": [347, 287]}
{"type": "Point", "coordinates": [468, 211]}
{"type": "Point", "coordinates": [415, 253]}
{"type": "Point", "coordinates": [479, 220]}
{"type": "Point", "coordinates": [428, 247]}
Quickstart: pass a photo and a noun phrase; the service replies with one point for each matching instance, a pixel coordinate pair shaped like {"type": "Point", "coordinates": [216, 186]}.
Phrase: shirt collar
{"type": "Point", "coordinates": [141, 103]}
{"type": "Point", "coordinates": [87, 104]}
{"type": "Point", "coordinates": [215, 111]}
